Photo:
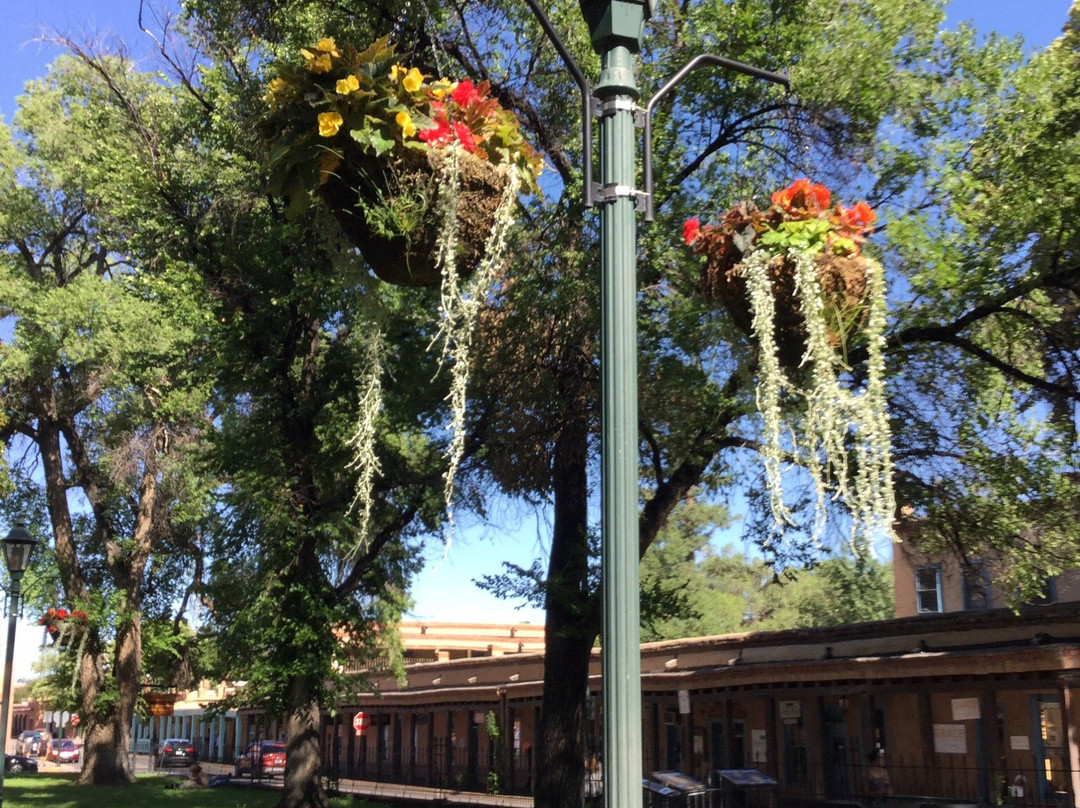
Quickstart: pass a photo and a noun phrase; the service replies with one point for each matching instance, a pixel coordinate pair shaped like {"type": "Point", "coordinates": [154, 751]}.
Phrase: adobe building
{"type": "Point", "coordinates": [971, 706]}
{"type": "Point", "coordinates": [967, 706]}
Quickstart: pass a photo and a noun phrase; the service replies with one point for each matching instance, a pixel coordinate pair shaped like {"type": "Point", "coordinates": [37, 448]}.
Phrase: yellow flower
{"type": "Point", "coordinates": [329, 123]}
{"type": "Point", "coordinates": [443, 88]}
{"type": "Point", "coordinates": [316, 62]}
{"type": "Point", "coordinates": [327, 45]}
{"type": "Point", "coordinates": [404, 120]}
{"type": "Point", "coordinates": [347, 85]}
{"type": "Point", "coordinates": [395, 72]}
{"type": "Point", "coordinates": [274, 89]}
{"type": "Point", "coordinates": [412, 81]}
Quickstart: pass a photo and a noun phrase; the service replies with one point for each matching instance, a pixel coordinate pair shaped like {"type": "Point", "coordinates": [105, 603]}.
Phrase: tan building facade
{"type": "Point", "coordinates": [971, 707]}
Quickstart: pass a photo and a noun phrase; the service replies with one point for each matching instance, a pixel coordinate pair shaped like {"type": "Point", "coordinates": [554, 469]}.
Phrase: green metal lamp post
{"type": "Point", "coordinates": [18, 547]}
{"type": "Point", "coordinates": [616, 27]}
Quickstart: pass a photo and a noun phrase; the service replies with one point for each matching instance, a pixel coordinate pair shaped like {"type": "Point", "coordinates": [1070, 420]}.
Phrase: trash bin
{"type": "Point", "coordinates": [657, 795]}
{"type": "Point", "coordinates": [688, 792]}
{"type": "Point", "coordinates": [746, 788]}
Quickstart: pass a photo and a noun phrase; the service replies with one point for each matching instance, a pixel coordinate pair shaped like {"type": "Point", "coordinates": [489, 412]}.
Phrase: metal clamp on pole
{"type": "Point", "coordinates": [611, 106]}
{"type": "Point", "coordinates": [704, 58]}
{"type": "Point", "coordinates": [610, 192]}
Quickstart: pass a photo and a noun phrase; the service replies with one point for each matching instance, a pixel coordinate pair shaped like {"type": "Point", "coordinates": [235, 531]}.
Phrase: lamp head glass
{"type": "Point", "coordinates": [18, 547]}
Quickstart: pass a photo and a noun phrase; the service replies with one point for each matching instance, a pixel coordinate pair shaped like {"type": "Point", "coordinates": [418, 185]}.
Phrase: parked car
{"type": "Point", "coordinates": [63, 750]}
{"type": "Point", "coordinates": [261, 759]}
{"type": "Point", "coordinates": [176, 752]}
{"type": "Point", "coordinates": [30, 743]}
{"type": "Point", "coordinates": [19, 763]}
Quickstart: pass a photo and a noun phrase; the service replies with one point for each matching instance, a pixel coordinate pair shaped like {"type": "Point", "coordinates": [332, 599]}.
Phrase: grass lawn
{"type": "Point", "coordinates": [57, 791]}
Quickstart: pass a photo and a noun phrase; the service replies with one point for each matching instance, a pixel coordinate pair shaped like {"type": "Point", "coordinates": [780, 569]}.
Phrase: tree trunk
{"type": "Point", "coordinates": [105, 754]}
{"type": "Point", "coordinates": [105, 742]}
{"type": "Point", "coordinates": [571, 627]}
{"type": "Point", "coordinates": [303, 782]}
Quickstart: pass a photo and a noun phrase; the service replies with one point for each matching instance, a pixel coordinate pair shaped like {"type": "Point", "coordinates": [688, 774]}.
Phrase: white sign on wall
{"type": "Point", "coordinates": [965, 709]}
{"type": "Point", "coordinates": [790, 710]}
{"type": "Point", "coordinates": [759, 746]}
{"type": "Point", "coordinates": [950, 739]}
{"type": "Point", "coordinates": [1020, 743]}
{"type": "Point", "coordinates": [684, 702]}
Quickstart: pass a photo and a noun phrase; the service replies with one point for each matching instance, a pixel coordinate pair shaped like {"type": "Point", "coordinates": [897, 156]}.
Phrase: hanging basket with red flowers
{"type": "Point", "coordinates": [384, 145]}
{"type": "Point", "coordinates": [423, 176]}
{"type": "Point", "coordinates": [793, 277]}
{"type": "Point", "coordinates": [60, 624]}
{"type": "Point", "coordinates": [799, 221]}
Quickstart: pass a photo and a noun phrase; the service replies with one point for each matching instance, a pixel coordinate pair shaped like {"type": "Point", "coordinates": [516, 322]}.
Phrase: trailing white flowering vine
{"type": "Point", "coordinates": [793, 277]}
{"type": "Point", "coordinates": [423, 175]}
{"type": "Point", "coordinates": [459, 309]}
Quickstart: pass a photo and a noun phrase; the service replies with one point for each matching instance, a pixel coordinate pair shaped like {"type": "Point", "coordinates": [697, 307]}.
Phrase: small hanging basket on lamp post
{"type": "Point", "coordinates": [798, 221]}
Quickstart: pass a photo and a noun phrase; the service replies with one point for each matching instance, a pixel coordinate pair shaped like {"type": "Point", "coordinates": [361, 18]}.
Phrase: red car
{"type": "Point", "coordinates": [63, 751]}
{"type": "Point", "coordinates": [261, 759]}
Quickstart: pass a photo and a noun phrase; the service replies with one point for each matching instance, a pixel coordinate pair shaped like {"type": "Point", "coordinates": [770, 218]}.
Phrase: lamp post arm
{"type": "Point", "coordinates": [586, 101]}
{"type": "Point", "coordinates": [670, 84]}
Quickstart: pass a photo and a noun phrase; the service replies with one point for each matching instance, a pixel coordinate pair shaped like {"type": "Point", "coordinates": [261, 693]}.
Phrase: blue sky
{"type": "Point", "coordinates": [444, 591]}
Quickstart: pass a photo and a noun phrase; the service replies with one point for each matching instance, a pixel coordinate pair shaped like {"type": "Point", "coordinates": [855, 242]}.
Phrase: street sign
{"type": "Point", "coordinates": [360, 722]}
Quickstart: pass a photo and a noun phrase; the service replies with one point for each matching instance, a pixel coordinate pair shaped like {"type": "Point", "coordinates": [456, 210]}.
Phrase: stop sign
{"type": "Point", "coordinates": [360, 722]}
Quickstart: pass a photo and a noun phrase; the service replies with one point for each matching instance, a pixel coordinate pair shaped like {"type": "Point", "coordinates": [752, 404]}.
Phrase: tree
{"type": "Point", "coordinates": [99, 408]}
{"type": "Point", "coordinates": [276, 337]}
{"type": "Point", "coordinates": [992, 321]}
{"type": "Point", "coordinates": [689, 589]}
{"type": "Point", "coordinates": [295, 584]}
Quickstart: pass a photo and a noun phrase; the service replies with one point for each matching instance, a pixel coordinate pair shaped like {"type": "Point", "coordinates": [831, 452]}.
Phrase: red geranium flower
{"type": "Point", "coordinates": [859, 217]}
{"type": "Point", "coordinates": [802, 195]}
{"type": "Point", "coordinates": [437, 135]}
{"type": "Point", "coordinates": [465, 136]}
{"type": "Point", "coordinates": [691, 230]}
{"type": "Point", "coordinates": [465, 93]}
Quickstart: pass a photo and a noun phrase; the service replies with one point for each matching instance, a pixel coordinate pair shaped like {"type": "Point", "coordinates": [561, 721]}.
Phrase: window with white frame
{"type": "Point", "coordinates": [928, 588]}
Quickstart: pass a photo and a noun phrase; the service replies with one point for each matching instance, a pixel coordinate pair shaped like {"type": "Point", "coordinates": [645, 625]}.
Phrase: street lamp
{"type": "Point", "coordinates": [616, 28]}
{"type": "Point", "coordinates": [18, 547]}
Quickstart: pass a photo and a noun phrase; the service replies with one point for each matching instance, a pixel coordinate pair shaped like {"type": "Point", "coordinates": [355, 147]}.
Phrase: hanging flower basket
{"type": "Point", "coordinates": [60, 624]}
{"type": "Point", "coordinates": [794, 279]}
{"type": "Point", "coordinates": [799, 218]}
{"type": "Point", "coordinates": [410, 258]}
{"type": "Point", "coordinates": [377, 141]}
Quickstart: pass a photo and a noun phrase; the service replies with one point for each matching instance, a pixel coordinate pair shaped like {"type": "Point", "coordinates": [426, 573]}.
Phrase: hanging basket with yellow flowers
{"type": "Point", "coordinates": [384, 146]}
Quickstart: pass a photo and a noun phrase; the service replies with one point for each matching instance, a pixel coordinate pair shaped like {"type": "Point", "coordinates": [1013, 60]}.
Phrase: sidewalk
{"type": "Point", "coordinates": [365, 788]}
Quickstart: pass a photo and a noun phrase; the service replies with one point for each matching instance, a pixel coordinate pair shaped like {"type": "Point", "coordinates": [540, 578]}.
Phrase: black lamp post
{"type": "Point", "coordinates": [18, 547]}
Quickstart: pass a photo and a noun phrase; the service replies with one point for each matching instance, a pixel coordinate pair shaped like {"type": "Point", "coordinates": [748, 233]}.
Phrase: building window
{"type": "Point", "coordinates": [1047, 594]}
{"type": "Point", "coordinates": [928, 588]}
{"type": "Point", "coordinates": [977, 586]}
